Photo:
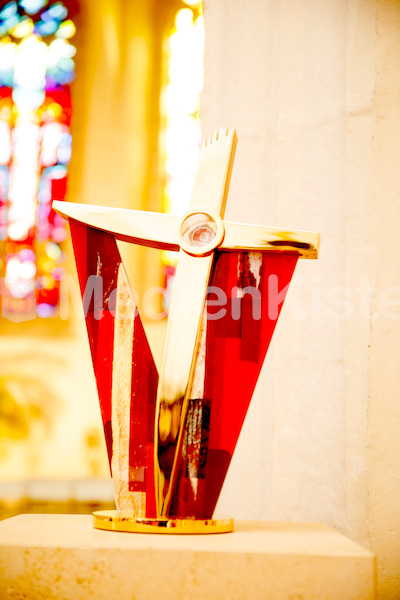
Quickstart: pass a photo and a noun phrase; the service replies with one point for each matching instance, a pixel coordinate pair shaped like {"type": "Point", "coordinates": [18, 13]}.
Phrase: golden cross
{"type": "Point", "coordinates": [196, 235]}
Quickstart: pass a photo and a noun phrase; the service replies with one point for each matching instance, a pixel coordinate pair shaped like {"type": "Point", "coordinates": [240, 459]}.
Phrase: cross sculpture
{"type": "Point", "coordinates": [170, 436]}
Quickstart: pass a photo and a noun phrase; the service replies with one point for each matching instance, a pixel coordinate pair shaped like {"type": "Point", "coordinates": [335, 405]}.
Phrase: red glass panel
{"type": "Point", "coordinates": [236, 345]}
{"type": "Point", "coordinates": [124, 368]}
{"type": "Point", "coordinates": [237, 335]}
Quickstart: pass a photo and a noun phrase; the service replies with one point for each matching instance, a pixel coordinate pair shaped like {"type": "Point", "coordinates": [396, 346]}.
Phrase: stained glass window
{"type": "Point", "coordinates": [180, 105]}
{"type": "Point", "coordinates": [36, 70]}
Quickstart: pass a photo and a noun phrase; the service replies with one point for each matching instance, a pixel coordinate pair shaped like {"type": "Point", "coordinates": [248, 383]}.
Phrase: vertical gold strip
{"type": "Point", "coordinates": [184, 321]}
{"type": "Point", "coordinates": [129, 504]}
{"type": "Point", "coordinates": [180, 352]}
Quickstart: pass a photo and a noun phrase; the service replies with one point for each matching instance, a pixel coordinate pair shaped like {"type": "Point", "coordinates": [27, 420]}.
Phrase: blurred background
{"type": "Point", "coordinates": [98, 104]}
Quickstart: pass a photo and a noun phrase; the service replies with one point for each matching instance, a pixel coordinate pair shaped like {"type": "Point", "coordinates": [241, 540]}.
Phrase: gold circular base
{"type": "Point", "coordinates": [109, 519]}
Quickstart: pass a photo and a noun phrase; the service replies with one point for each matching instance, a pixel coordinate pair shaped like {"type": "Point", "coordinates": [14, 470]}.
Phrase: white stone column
{"type": "Point", "coordinates": [312, 89]}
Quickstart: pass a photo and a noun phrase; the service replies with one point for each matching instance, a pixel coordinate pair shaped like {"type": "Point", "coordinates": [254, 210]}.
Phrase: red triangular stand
{"type": "Point", "coordinates": [124, 368]}
{"type": "Point", "coordinates": [237, 336]}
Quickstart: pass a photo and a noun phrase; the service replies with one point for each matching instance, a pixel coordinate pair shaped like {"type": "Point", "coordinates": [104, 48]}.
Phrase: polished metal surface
{"type": "Point", "coordinates": [159, 230]}
{"type": "Point", "coordinates": [187, 304]}
{"type": "Point", "coordinates": [245, 237]}
{"type": "Point", "coordinates": [156, 230]}
{"type": "Point", "coordinates": [184, 320]}
{"type": "Point", "coordinates": [110, 521]}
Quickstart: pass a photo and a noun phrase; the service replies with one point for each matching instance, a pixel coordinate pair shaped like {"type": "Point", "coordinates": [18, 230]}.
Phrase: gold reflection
{"type": "Point", "coordinates": [109, 520]}
{"type": "Point", "coordinates": [184, 322]}
{"type": "Point", "coordinates": [158, 230]}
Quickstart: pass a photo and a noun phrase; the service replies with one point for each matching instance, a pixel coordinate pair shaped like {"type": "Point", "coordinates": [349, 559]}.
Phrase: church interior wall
{"type": "Point", "coordinates": [312, 89]}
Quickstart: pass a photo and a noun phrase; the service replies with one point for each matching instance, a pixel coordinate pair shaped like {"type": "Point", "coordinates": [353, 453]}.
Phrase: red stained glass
{"type": "Point", "coordinates": [35, 151]}
{"type": "Point", "coordinates": [57, 106]}
{"type": "Point", "coordinates": [235, 352]}
{"type": "Point", "coordinates": [125, 372]}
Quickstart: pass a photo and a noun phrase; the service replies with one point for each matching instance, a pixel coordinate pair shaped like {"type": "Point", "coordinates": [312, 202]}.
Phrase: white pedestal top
{"type": "Point", "coordinates": [62, 556]}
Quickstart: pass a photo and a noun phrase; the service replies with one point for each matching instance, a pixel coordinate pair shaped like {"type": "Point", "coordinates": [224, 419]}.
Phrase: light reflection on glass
{"type": "Point", "coordinates": [36, 68]}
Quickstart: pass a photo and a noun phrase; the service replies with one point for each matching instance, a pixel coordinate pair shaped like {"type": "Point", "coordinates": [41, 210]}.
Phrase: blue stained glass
{"type": "Point", "coordinates": [6, 77]}
{"type": "Point", "coordinates": [9, 10]}
{"type": "Point", "coordinates": [31, 7]}
{"type": "Point", "coordinates": [65, 149]}
{"type": "Point", "coordinates": [58, 172]}
{"type": "Point", "coordinates": [46, 28]}
{"type": "Point", "coordinates": [4, 178]}
{"type": "Point", "coordinates": [52, 70]}
{"type": "Point", "coordinates": [3, 223]}
{"type": "Point", "coordinates": [43, 196]}
{"type": "Point", "coordinates": [49, 173]}
{"type": "Point", "coordinates": [11, 22]}
{"type": "Point", "coordinates": [27, 96]}
{"type": "Point", "coordinates": [62, 78]}
{"type": "Point", "coordinates": [66, 64]}
{"type": "Point", "coordinates": [57, 11]}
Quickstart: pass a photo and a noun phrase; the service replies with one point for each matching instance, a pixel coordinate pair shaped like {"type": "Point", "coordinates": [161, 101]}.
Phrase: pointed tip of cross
{"type": "Point", "coordinates": [219, 135]}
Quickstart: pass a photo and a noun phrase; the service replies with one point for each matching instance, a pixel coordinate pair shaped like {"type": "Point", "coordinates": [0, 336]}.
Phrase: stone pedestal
{"type": "Point", "coordinates": [63, 557]}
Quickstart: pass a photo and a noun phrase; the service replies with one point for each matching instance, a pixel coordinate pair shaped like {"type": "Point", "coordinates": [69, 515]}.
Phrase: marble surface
{"type": "Point", "coordinates": [62, 556]}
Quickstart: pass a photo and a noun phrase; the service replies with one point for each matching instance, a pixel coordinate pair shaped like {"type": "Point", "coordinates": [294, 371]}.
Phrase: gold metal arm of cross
{"type": "Point", "coordinates": [196, 235]}
{"type": "Point", "coordinates": [163, 231]}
